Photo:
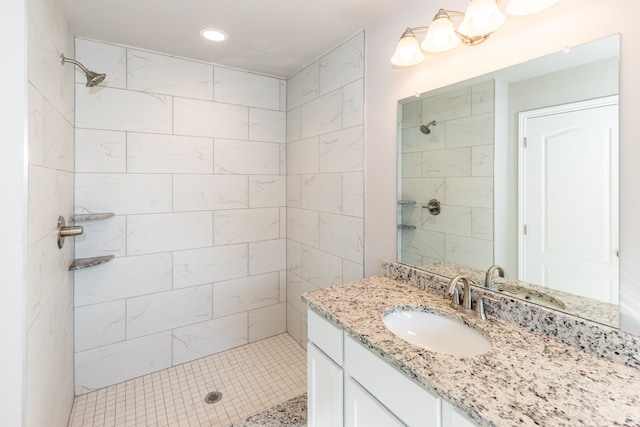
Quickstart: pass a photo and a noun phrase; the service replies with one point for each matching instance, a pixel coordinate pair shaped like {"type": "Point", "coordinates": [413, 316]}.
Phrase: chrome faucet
{"type": "Point", "coordinates": [489, 276]}
{"type": "Point", "coordinates": [454, 291]}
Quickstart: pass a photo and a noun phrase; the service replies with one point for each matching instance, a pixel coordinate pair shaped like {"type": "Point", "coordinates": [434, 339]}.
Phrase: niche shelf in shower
{"type": "Point", "coordinates": [82, 263]}
{"type": "Point", "coordinates": [91, 216]}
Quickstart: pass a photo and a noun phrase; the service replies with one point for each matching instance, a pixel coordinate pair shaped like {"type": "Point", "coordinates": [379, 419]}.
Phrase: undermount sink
{"type": "Point", "coordinates": [436, 333]}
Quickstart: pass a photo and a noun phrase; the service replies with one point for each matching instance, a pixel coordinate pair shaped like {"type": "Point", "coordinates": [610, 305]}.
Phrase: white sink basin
{"type": "Point", "coordinates": [436, 333]}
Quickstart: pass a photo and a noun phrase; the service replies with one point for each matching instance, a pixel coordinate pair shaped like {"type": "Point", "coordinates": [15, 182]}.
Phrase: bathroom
{"type": "Point", "coordinates": [373, 234]}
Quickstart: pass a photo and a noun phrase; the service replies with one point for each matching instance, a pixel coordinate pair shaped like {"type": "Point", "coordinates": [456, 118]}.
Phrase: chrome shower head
{"type": "Point", "coordinates": [93, 78]}
{"type": "Point", "coordinates": [425, 128]}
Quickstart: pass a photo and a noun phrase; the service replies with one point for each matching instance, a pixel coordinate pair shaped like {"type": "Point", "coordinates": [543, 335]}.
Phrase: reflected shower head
{"type": "Point", "coordinates": [93, 78]}
{"type": "Point", "coordinates": [425, 128]}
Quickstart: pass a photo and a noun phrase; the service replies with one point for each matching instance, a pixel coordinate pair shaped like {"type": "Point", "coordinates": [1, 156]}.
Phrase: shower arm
{"type": "Point", "coordinates": [82, 67]}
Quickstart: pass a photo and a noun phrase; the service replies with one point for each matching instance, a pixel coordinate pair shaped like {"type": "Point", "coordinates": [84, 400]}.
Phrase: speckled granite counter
{"type": "Point", "coordinates": [526, 379]}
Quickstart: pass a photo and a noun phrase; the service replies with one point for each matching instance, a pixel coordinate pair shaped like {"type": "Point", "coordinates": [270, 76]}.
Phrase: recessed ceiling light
{"type": "Point", "coordinates": [214, 34]}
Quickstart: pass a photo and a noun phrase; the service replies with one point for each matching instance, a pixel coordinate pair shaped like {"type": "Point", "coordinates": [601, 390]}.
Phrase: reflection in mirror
{"type": "Point", "coordinates": [523, 164]}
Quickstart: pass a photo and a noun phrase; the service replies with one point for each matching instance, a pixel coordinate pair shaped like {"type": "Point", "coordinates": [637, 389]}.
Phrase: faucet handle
{"type": "Point", "coordinates": [480, 305]}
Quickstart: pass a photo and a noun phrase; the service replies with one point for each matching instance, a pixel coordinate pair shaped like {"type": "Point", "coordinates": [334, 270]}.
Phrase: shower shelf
{"type": "Point", "coordinates": [82, 263]}
{"type": "Point", "coordinates": [91, 216]}
{"type": "Point", "coordinates": [406, 202]}
{"type": "Point", "coordinates": [406, 227]}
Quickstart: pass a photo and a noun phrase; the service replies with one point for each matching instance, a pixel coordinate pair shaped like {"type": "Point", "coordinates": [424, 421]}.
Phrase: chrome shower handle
{"type": "Point", "coordinates": [67, 231]}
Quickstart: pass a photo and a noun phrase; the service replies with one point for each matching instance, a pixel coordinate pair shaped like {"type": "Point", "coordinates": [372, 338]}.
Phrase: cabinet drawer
{"type": "Point", "coordinates": [325, 336]}
{"type": "Point", "coordinates": [409, 401]}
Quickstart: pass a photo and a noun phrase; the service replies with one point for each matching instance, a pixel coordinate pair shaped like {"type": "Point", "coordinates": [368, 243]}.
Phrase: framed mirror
{"type": "Point", "coordinates": [519, 168]}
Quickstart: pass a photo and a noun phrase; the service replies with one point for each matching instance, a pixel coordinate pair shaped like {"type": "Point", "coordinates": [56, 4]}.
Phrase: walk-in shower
{"type": "Point", "coordinates": [93, 78]}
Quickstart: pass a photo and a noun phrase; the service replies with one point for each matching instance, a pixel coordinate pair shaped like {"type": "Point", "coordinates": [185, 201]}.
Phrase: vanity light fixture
{"type": "Point", "coordinates": [479, 21]}
{"type": "Point", "coordinates": [214, 35]}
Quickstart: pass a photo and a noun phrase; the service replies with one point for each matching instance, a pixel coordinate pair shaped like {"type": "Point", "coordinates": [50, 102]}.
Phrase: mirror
{"type": "Point", "coordinates": [472, 193]}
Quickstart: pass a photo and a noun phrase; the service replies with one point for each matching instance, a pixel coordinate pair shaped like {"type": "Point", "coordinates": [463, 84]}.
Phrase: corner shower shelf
{"type": "Point", "coordinates": [82, 263]}
{"type": "Point", "coordinates": [91, 216]}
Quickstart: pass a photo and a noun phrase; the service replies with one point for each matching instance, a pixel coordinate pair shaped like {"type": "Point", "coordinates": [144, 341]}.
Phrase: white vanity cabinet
{"type": "Point", "coordinates": [351, 386]}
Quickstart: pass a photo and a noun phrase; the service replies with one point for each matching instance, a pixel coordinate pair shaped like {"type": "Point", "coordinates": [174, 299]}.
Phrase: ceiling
{"type": "Point", "coordinates": [275, 37]}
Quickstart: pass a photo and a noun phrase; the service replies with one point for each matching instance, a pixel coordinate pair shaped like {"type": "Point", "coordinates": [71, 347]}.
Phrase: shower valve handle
{"type": "Point", "coordinates": [67, 231]}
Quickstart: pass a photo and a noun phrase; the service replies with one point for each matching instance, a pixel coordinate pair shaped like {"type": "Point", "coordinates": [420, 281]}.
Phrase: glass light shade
{"type": "Point", "coordinates": [441, 36]}
{"type": "Point", "coordinates": [482, 17]}
{"type": "Point", "coordinates": [407, 51]}
{"type": "Point", "coordinates": [528, 7]}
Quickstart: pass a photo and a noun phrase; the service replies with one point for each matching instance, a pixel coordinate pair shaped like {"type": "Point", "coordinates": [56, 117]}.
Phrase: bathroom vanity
{"type": "Point", "coordinates": [361, 374]}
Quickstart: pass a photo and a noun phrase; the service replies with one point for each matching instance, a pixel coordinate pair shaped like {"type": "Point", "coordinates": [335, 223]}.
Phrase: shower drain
{"type": "Point", "coordinates": [213, 397]}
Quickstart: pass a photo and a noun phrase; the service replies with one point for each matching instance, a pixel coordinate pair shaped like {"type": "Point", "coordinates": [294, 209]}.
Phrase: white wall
{"type": "Point", "coordinates": [569, 23]}
{"type": "Point", "coordinates": [191, 159]}
{"type": "Point", "coordinates": [13, 188]}
{"type": "Point", "coordinates": [325, 152]}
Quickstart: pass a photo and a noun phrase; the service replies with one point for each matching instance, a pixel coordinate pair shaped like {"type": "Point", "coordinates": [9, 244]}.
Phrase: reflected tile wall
{"type": "Point", "coordinates": [325, 166]}
{"type": "Point", "coordinates": [190, 157]}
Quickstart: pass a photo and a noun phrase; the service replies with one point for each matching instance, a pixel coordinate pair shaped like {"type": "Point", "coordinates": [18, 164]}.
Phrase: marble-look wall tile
{"type": "Point", "coordinates": [267, 191]}
{"type": "Point", "coordinates": [353, 104]}
{"type": "Point", "coordinates": [294, 191]}
{"type": "Point", "coordinates": [123, 193]}
{"type": "Point", "coordinates": [446, 163]}
{"type": "Point", "coordinates": [203, 118]}
{"type": "Point", "coordinates": [152, 72]}
{"type": "Point", "coordinates": [102, 58]}
{"type": "Point", "coordinates": [267, 321]}
{"type": "Point", "coordinates": [322, 115]}
{"type": "Point", "coordinates": [411, 165]}
{"type": "Point", "coordinates": [472, 191]}
{"type": "Point", "coordinates": [117, 109]}
{"type": "Point", "coordinates": [482, 98]}
{"type": "Point", "coordinates": [413, 140]}
{"type": "Point", "coordinates": [482, 160]}
{"type": "Point", "coordinates": [294, 124]}
{"type": "Point", "coordinates": [283, 95]}
{"type": "Point", "coordinates": [208, 265]}
{"type": "Point", "coordinates": [342, 151]}
{"type": "Point", "coordinates": [244, 294]}
{"type": "Point", "coordinates": [322, 192]}
{"type": "Point", "coordinates": [267, 256]}
{"type": "Point", "coordinates": [210, 192]}
{"type": "Point", "coordinates": [210, 337]}
{"type": "Point", "coordinates": [342, 65]}
{"type": "Point", "coordinates": [474, 253]}
{"type": "Point", "coordinates": [303, 226]}
{"type": "Point", "coordinates": [100, 151]}
{"type": "Point", "coordinates": [452, 219]}
{"type": "Point", "coordinates": [447, 106]}
{"type": "Point", "coordinates": [149, 153]}
{"type": "Point", "coordinates": [294, 258]}
{"type": "Point", "coordinates": [245, 225]}
{"type": "Point", "coordinates": [342, 236]}
{"type": "Point", "coordinates": [121, 361]}
{"type": "Point", "coordinates": [246, 157]}
{"type": "Point", "coordinates": [482, 223]}
{"type": "Point", "coordinates": [353, 194]}
{"type": "Point", "coordinates": [245, 88]}
{"type": "Point", "coordinates": [470, 131]}
{"type": "Point", "coordinates": [106, 237]}
{"type": "Point", "coordinates": [303, 156]}
{"type": "Point", "coordinates": [421, 190]}
{"type": "Point", "coordinates": [123, 278]}
{"type": "Point", "coordinates": [267, 125]}
{"type": "Point", "coordinates": [351, 271]}
{"type": "Point", "coordinates": [320, 268]}
{"type": "Point", "coordinates": [296, 286]}
{"type": "Point", "coordinates": [50, 195]}
{"type": "Point", "coordinates": [148, 234]}
{"type": "Point", "coordinates": [98, 325]}
{"type": "Point", "coordinates": [427, 243]}
{"type": "Point", "coordinates": [304, 86]}
{"type": "Point", "coordinates": [297, 325]}
{"type": "Point", "coordinates": [412, 114]}
{"type": "Point", "coordinates": [162, 311]}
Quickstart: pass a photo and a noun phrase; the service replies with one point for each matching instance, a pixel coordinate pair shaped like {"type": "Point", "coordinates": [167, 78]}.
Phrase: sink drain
{"type": "Point", "coordinates": [213, 397]}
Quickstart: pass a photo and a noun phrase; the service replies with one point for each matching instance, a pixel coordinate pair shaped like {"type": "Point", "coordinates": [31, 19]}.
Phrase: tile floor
{"type": "Point", "coordinates": [252, 378]}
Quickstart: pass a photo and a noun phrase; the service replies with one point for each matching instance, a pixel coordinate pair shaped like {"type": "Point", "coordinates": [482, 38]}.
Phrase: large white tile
{"type": "Point", "coordinates": [50, 134]}
{"type": "Point", "coordinates": [123, 278]}
{"type": "Point", "coordinates": [248, 293]}
{"type": "Point", "coordinates": [296, 286]}
{"type": "Point", "coordinates": [482, 98]}
{"type": "Point", "coordinates": [208, 265]}
{"type": "Point", "coordinates": [353, 194]}
{"type": "Point", "coordinates": [297, 325]}
{"type": "Point", "coordinates": [474, 253]}
{"type": "Point", "coordinates": [267, 321]}
{"type": "Point", "coordinates": [204, 118]}
{"type": "Point", "coordinates": [421, 190]}
{"type": "Point", "coordinates": [267, 125]}
{"type": "Point", "coordinates": [294, 191]}
{"type": "Point", "coordinates": [413, 140]}
{"type": "Point", "coordinates": [320, 268]}
{"type": "Point", "coordinates": [322, 115]}
{"type": "Point", "coordinates": [98, 325]}
{"type": "Point", "coordinates": [105, 58]}
{"type": "Point", "coordinates": [117, 109]}
{"type": "Point", "coordinates": [411, 165]}
{"type": "Point", "coordinates": [202, 339]}
{"type": "Point", "coordinates": [482, 160]}
{"type": "Point", "coordinates": [452, 219]}
{"type": "Point", "coordinates": [476, 192]}
{"type": "Point", "coordinates": [303, 156]}
{"type": "Point", "coordinates": [151, 72]}
{"type": "Point", "coordinates": [245, 88]}
{"type": "Point", "coordinates": [412, 114]}
{"type": "Point", "coordinates": [445, 163]}
{"type": "Point", "coordinates": [352, 271]}
{"type": "Point", "coordinates": [246, 157]}
{"type": "Point", "coordinates": [470, 131]}
{"type": "Point", "coordinates": [427, 243]}
{"type": "Point", "coordinates": [342, 65]}
{"type": "Point", "coordinates": [245, 225]}
{"type": "Point", "coordinates": [149, 314]}
{"type": "Point", "coordinates": [105, 237]}
{"type": "Point", "coordinates": [353, 104]}
{"type": "Point", "coordinates": [268, 256]}
{"type": "Point", "coordinates": [447, 106]}
{"type": "Point", "coordinates": [342, 151]}
{"type": "Point", "coordinates": [123, 193]}
{"type": "Point", "coordinates": [283, 221]}
{"type": "Point", "coordinates": [294, 258]}
{"type": "Point", "coordinates": [342, 236]}
{"type": "Point", "coordinates": [149, 153]}
{"type": "Point", "coordinates": [294, 124]}
{"type": "Point", "coordinates": [304, 86]}
{"type": "Point", "coordinates": [267, 191]}
{"type": "Point", "coordinates": [101, 151]}
{"type": "Point", "coordinates": [50, 195]}
{"type": "Point", "coordinates": [303, 226]}
{"type": "Point", "coordinates": [121, 361]}
{"type": "Point", "coordinates": [168, 232]}
{"type": "Point", "coordinates": [283, 95]}
{"type": "Point", "coordinates": [209, 192]}
{"type": "Point", "coordinates": [482, 223]}
{"type": "Point", "coordinates": [322, 192]}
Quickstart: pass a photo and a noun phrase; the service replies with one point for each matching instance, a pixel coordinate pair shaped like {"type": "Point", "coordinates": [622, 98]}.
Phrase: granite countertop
{"type": "Point", "coordinates": [526, 379]}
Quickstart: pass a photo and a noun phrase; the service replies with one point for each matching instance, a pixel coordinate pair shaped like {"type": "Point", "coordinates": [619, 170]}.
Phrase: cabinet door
{"type": "Point", "coordinates": [452, 418]}
{"type": "Point", "coordinates": [324, 386]}
{"type": "Point", "coordinates": [363, 410]}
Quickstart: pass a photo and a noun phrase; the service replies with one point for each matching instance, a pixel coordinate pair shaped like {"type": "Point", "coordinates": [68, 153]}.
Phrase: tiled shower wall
{"type": "Point", "coordinates": [49, 284]}
{"type": "Point", "coordinates": [191, 159]}
{"type": "Point", "coordinates": [325, 164]}
{"type": "Point", "coordinates": [453, 164]}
